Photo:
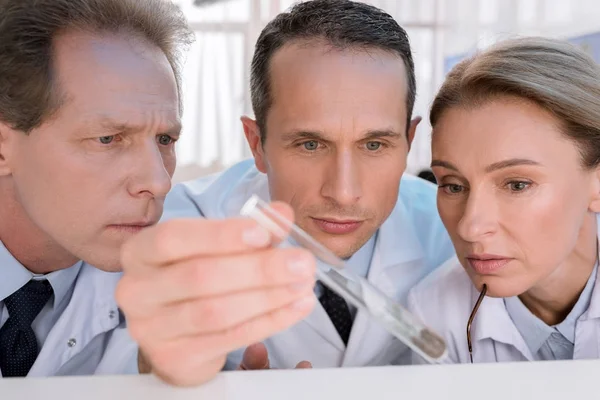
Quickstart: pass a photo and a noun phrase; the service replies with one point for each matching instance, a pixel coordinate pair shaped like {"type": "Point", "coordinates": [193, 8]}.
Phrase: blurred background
{"type": "Point", "coordinates": [442, 32]}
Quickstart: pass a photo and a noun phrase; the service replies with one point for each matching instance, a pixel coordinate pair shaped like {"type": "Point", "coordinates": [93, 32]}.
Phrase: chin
{"type": "Point", "coordinates": [500, 287]}
{"type": "Point", "coordinates": [106, 259]}
{"type": "Point", "coordinates": [344, 248]}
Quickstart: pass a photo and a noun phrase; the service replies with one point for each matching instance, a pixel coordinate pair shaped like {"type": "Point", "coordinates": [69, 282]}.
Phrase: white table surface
{"type": "Point", "coordinates": [570, 380]}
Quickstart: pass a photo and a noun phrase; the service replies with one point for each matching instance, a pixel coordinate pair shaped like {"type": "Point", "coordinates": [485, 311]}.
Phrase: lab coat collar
{"type": "Point", "coordinates": [492, 321]}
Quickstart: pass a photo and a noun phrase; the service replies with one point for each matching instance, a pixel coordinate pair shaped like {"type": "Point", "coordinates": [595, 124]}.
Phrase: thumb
{"type": "Point", "coordinates": [304, 365]}
{"type": "Point", "coordinates": [255, 357]}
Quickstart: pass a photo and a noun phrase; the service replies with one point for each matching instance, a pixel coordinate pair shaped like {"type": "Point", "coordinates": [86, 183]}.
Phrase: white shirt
{"type": "Point", "coordinates": [80, 331]}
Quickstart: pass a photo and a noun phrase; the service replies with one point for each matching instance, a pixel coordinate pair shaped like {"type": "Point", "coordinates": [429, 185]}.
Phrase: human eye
{"type": "Point", "coordinates": [166, 140]}
{"type": "Point", "coordinates": [451, 188]}
{"type": "Point", "coordinates": [310, 145]}
{"type": "Point", "coordinates": [518, 186]}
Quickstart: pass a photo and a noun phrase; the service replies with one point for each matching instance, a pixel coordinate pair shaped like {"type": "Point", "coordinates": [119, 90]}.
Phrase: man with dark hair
{"type": "Point", "coordinates": [89, 113]}
{"type": "Point", "coordinates": [333, 89]}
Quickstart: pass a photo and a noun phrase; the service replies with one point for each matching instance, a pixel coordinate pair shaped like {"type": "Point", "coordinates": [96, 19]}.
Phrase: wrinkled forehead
{"type": "Point", "coordinates": [111, 73]}
{"type": "Point", "coordinates": [501, 129]}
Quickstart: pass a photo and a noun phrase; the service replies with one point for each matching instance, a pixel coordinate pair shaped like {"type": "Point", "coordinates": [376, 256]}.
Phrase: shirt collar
{"type": "Point", "coordinates": [536, 332]}
{"type": "Point", "coordinates": [15, 276]}
{"type": "Point", "coordinates": [360, 261]}
{"type": "Point", "coordinates": [567, 327]}
{"type": "Point", "coordinates": [533, 330]}
{"type": "Point", "coordinates": [62, 280]}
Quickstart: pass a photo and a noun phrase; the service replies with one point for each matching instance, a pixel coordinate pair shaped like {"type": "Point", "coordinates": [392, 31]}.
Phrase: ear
{"type": "Point", "coordinates": [252, 132]}
{"type": "Point", "coordinates": [595, 200]}
{"type": "Point", "coordinates": [412, 130]}
{"type": "Point", "coordinates": [7, 143]}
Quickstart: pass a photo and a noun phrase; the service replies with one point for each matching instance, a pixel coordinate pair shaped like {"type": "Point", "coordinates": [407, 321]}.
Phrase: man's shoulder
{"type": "Point", "coordinates": [417, 211]}
{"type": "Point", "coordinates": [229, 177]}
{"type": "Point", "coordinates": [417, 204]}
{"type": "Point", "coordinates": [214, 195]}
{"type": "Point", "coordinates": [418, 195]}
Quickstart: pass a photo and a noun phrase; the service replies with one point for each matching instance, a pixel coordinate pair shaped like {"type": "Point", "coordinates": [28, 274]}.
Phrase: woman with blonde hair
{"type": "Point", "coordinates": [516, 154]}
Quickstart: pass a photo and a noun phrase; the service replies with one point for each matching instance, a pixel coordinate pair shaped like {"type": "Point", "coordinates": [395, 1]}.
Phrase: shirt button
{"type": "Point", "coordinates": [111, 314]}
{"type": "Point", "coordinates": [72, 342]}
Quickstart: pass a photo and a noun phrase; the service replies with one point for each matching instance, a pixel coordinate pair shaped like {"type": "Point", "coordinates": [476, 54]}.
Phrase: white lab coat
{"type": "Point", "coordinates": [90, 336]}
{"type": "Point", "coordinates": [410, 244]}
{"type": "Point", "coordinates": [445, 299]}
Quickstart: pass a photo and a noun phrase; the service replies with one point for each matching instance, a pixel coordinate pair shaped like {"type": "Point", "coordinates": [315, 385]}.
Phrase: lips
{"type": "Point", "coordinates": [487, 264]}
{"type": "Point", "coordinates": [337, 227]}
{"type": "Point", "coordinates": [131, 227]}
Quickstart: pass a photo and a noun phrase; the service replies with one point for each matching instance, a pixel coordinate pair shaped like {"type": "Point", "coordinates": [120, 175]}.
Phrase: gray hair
{"type": "Point", "coordinates": [551, 73]}
{"type": "Point", "coordinates": [28, 89]}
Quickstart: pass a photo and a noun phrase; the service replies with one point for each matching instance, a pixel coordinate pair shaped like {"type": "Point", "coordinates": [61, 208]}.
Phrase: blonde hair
{"type": "Point", "coordinates": [553, 74]}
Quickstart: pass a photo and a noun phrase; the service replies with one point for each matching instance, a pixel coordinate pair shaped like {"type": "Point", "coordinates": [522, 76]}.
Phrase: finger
{"type": "Point", "coordinates": [180, 239]}
{"type": "Point", "coordinates": [199, 349]}
{"type": "Point", "coordinates": [255, 357]}
{"type": "Point", "coordinates": [215, 276]}
{"type": "Point", "coordinates": [215, 314]}
{"type": "Point", "coordinates": [304, 365]}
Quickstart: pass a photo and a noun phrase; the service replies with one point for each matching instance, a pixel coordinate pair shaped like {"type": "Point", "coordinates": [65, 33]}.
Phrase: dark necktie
{"type": "Point", "coordinates": [18, 344]}
{"type": "Point", "coordinates": [338, 311]}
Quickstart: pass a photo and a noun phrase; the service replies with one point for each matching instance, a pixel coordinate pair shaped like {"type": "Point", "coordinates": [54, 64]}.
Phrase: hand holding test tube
{"type": "Point", "coordinates": [354, 289]}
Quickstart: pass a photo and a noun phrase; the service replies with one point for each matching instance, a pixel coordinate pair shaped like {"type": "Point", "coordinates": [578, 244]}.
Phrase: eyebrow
{"type": "Point", "coordinates": [320, 136]}
{"type": "Point", "coordinates": [513, 162]}
{"type": "Point", "coordinates": [115, 127]}
{"type": "Point", "coordinates": [299, 134]}
{"type": "Point", "coordinates": [380, 134]}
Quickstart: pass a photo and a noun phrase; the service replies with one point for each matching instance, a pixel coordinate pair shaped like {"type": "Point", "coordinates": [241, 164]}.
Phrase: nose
{"type": "Point", "coordinates": [342, 183]}
{"type": "Point", "coordinates": [148, 174]}
{"type": "Point", "coordinates": [479, 218]}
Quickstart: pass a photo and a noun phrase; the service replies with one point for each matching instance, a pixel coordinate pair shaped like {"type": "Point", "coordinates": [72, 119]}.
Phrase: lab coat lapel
{"type": "Point", "coordinates": [492, 321]}
{"type": "Point", "coordinates": [397, 265]}
{"type": "Point", "coordinates": [320, 322]}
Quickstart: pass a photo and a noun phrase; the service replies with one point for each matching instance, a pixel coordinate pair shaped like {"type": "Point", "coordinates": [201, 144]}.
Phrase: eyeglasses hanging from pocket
{"type": "Point", "coordinates": [477, 304]}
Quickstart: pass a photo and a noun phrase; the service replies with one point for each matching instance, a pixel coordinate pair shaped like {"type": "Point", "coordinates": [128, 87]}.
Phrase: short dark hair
{"type": "Point", "coordinates": [28, 90]}
{"type": "Point", "coordinates": [342, 24]}
{"type": "Point", "coordinates": [428, 175]}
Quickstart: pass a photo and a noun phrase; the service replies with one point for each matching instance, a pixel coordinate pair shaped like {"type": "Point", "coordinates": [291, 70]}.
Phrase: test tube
{"type": "Point", "coordinates": [353, 288]}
